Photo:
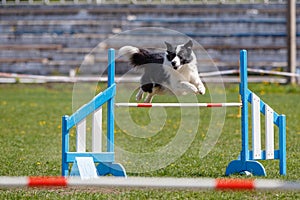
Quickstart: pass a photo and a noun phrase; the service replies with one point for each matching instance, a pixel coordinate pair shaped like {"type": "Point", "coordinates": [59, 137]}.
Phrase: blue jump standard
{"type": "Point", "coordinates": [106, 160]}
{"type": "Point", "coordinates": [246, 161]}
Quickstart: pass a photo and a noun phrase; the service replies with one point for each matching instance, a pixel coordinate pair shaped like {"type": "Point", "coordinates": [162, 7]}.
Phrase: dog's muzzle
{"type": "Point", "coordinates": [174, 64]}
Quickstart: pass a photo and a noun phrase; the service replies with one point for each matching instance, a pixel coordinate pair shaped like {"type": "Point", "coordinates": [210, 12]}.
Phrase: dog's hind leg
{"type": "Point", "coordinates": [155, 90]}
{"type": "Point", "coordinates": [149, 88]}
{"type": "Point", "coordinates": [139, 95]}
{"type": "Point", "coordinates": [149, 98]}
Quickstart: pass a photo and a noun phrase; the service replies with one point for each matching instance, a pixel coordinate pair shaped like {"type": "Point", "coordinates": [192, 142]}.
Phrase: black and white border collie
{"type": "Point", "coordinates": [174, 70]}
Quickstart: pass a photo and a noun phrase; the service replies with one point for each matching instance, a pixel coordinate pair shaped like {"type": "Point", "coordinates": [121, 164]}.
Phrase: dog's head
{"type": "Point", "coordinates": [179, 55]}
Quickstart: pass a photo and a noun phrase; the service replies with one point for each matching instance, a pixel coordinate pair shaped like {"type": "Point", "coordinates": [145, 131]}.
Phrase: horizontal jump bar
{"type": "Point", "coordinates": [151, 182]}
{"type": "Point", "coordinates": [209, 105]}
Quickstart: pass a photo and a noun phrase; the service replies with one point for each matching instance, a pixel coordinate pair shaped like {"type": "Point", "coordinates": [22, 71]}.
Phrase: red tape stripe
{"type": "Point", "coordinates": [47, 181]}
{"type": "Point", "coordinates": [214, 105]}
{"type": "Point", "coordinates": [235, 184]}
{"type": "Point", "coordinates": [144, 105]}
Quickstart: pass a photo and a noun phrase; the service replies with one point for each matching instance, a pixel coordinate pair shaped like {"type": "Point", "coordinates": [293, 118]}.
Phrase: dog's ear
{"type": "Point", "coordinates": [189, 44]}
{"type": "Point", "coordinates": [169, 46]}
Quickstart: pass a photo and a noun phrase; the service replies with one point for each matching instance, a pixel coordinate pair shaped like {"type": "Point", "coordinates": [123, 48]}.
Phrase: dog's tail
{"type": "Point", "coordinates": [139, 57]}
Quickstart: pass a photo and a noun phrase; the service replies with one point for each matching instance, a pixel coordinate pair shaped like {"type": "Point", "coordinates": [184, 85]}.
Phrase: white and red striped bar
{"type": "Point", "coordinates": [208, 105]}
{"type": "Point", "coordinates": [148, 182]}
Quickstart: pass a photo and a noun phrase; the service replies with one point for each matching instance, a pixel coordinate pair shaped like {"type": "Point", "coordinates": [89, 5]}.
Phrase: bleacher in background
{"type": "Point", "coordinates": [53, 39]}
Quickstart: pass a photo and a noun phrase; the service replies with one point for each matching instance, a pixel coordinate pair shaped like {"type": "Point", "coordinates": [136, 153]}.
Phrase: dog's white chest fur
{"type": "Point", "coordinates": [185, 79]}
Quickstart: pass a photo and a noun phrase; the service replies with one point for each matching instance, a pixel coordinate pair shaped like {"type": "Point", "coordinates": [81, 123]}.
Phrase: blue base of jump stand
{"type": "Point", "coordinates": [238, 166]}
{"type": "Point", "coordinates": [114, 169]}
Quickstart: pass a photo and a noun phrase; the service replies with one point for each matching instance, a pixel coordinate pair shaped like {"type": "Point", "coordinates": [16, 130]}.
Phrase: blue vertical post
{"type": "Point", "coordinates": [282, 144]}
{"type": "Point", "coordinates": [110, 103]}
{"type": "Point", "coordinates": [65, 146]}
{"type": "Point", "coordinates": [243, 93]}
{"type": "Point", "coordinates": [244, 164]}
{"type": "Point", "coordinates": [112, 168]}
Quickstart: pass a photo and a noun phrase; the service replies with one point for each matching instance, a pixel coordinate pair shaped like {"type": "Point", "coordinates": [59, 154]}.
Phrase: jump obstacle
{"type": "Point", "coordinates": [247, 162]}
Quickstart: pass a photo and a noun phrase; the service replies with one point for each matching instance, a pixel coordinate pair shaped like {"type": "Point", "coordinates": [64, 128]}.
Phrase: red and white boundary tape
{"type": "Point", "coordinates": [10, 77]}
{"type": "Point", "coordinates": [147, 182]}
{"type": "Point", "coordinates": [24, 78]}
{"type": "Point", "coordinates": [209, 105]}
{"type": "Point", "coordinates": [261, 71]}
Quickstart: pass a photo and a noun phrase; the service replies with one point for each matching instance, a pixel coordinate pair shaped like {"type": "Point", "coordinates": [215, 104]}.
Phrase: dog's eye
{"type": "Point", "coordinates": [170, 55]}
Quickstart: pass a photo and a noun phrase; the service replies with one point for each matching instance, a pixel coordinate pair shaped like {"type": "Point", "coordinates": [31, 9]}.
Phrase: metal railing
{"type": "Point", "coordinates": [63, 2]}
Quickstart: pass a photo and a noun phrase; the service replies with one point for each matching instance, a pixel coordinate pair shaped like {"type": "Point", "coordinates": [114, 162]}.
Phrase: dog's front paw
{"type": "Point", "coordinates": [201, 89]}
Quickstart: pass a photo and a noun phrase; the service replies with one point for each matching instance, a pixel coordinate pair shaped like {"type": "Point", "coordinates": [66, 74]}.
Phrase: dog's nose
{"type": "Point", "coordinates": [175, 67]}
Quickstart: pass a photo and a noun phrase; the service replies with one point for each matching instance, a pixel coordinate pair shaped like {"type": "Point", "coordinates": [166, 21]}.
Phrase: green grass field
{"type": "Point", "coordinates": [30, 125]}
